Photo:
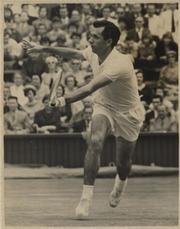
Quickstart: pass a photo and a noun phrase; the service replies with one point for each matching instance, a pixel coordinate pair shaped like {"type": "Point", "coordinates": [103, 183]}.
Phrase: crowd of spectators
{"type": "Point", "coordinates": [148, 34]}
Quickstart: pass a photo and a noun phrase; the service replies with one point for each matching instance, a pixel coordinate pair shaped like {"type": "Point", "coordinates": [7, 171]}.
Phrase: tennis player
{"type": "Point", "coordinates": [117, 107]}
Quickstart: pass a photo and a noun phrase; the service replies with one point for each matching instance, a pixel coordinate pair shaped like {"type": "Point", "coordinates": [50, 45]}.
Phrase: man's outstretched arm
{"type": "Point", "coordinates": [86, 90]}
{"type": "Point", "coordinates": [68, 53]}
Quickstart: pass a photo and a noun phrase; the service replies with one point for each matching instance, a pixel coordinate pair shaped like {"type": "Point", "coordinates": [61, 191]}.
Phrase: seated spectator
{"type": "Point", "coordinates": [43, 19]}
{"type": "Point", "coordinates": [41, 89]}
{"type": "Point", "coordinates": [166, 44]}
{"type": "Point", "coordinates": [145, 92]}
{"type": "Point", "coordinates": [169, 73]}
{"type": "Point", "coordinates": [8, 13]}
{"type": "Point", "coordinates": [33, 105]}
{"type": "Point", "coordinates": [152, 112]}
{"type": "Point", "coordinates": [52, 74]}
{"type": "Point", "coordinates": [76, 19]}
{"type": "Point", "coordinates": [41, 31]}
{"type": "Point", "coordinates": [165, 101]}
{"type": "Point", "coordinates": [23, 27]}
{"type": "Point", "coordinates": [75, 41]}
{"type": "Point", "coordinates": [17, 88]}
{"type": "Point", "coordinates": [130, 47]}
{"type": "Point", "coordinates": [6, 95]}
{"type": "Point", "coordinates": [84, 124]}
{"type": "Point", "coordinates": [66, 112]}
{"type": "Point", "coordinates": [147, 48]}
{"type": "Point", "coordinates": [12, 50]}
{"type": "Point", "coordinates": [106, 14]}
{"type": "Point", "coordinates": [56, 31]}
{"type": "Point", "coordinates": [63, 14]}
{"type": "Point", "coordinates": [139, 31]}
{"type": "Point", "coordinates": [45, 41]}
{"type": "Point", "coordinates": [33, 65]}
{"type": "Point", "coordinates": [16, 121]}
{"type": "Point", "coordinates": [70, 86]}
{"type": "Point", "coordinates": [163, 122]}
{"type": "Point", "coordinates": [11, 28]}
{"type": "Point", "coordinates": [75, 65]}
{"type": "Point", "coordinates": [47, 120]}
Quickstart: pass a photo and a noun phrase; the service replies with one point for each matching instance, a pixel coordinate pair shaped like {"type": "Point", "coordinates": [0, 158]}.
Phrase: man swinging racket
{"type": "Point", "coordinates": [117, 107]}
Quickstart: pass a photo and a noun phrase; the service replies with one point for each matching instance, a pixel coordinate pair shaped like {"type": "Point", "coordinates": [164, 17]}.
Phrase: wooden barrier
{"type": "Point", "coordinates": [68, 150]}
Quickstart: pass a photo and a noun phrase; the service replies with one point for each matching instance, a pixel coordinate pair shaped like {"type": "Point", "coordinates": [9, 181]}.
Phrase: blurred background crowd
{"type": "Point", "coordinates": [149, 33]}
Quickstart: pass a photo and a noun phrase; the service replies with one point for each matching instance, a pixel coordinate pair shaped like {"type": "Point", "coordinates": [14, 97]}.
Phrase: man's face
{"type": "Point", "coordinates": [12, 104]}
{"type": "Point", "coordinates": [70, 82]}
{"type": "Point", "coordinates": [156, 102]}
{"type": "Point", "coordinates": [46, 106]}
{"type": "Point", "coordinates": [59, 92]}
{"type": "Point", "coordinates": [96, 40]}
{"type": "Point", "coordinates": [43, 13]}
{"type": "Point", "coordinates": [106, 13]}
{"type": "Point", "coordinates": [76, 64]}
{"type": "Point", "coordinates": [6, 38]}
{"type": "Point", "coordinates": [139, 23]}
{"type": "Point", "coordinates": [18, 79]}
{"type": "Point", "coordinates": [151, 10]}
{"type": "Point", "coordinates": [162, 111]}
{"type": "Point", "coordinates": [7, 92]}
{"type": "Point", "coordinates": [75, 16]}
{"type": "Point", "coordinates": [136, 8]}
{"type": "Point", "coordinates": [63, 12]}
{"type": "Point", "coordinates": [160, 92]}
{"type": "Point", "coordinates": [36, 80]}
{"type": "Point", "coordinates": [30, 95]}
{"type": "Point", "coordinates": [88, 113]}
{"type": "Point", "coordinates": [139, 76]}
{"type": "Point", "coordinates": [24, 17]}
{"type": "Point", "coordinates": [42, 30]}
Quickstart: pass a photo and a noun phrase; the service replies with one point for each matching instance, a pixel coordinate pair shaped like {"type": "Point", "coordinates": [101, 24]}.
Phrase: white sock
{"type": "Point", "coordinates": [87, 192]}
{"type": "Point", "coordinates": [120, 184]}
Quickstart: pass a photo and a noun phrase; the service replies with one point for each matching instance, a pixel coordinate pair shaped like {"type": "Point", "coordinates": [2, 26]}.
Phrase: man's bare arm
{"type": "Point", "coordinates": [68, 53]}
{"type": "Point", "coordinates": [88, 89]}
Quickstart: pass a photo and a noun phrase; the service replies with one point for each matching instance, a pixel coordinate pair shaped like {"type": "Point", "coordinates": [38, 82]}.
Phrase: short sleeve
{"type": "Point", "coordinates": [119, 70]}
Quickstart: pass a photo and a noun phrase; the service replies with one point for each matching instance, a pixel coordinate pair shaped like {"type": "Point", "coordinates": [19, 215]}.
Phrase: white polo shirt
{"type": "Point", "coordinates": [122, 94]}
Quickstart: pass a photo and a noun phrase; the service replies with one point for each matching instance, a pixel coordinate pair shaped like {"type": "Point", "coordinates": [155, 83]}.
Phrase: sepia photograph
{"type": "Point", "coordinates": [90, 114]}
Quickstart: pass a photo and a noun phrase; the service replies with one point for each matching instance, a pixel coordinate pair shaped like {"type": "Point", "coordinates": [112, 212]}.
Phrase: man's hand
{"type": "Point", "coordinates": [30, 47]}
{"type": "Point", "coordinates": [57, 102]}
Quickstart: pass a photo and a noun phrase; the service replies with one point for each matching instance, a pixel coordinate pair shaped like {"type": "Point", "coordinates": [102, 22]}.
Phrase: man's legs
{"type": "Point", "coordinates": [124, 151]}
{"type": "Point", "coordinates": [99, 130]}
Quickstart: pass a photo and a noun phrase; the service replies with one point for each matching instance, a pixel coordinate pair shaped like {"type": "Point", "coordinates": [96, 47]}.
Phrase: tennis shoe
{"type": "Point", "coordinates": [82, 210]}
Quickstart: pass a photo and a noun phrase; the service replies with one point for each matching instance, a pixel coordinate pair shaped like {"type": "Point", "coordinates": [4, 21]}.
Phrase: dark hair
{"type": "Point", "coordinates": [13, 97]}
{"type": "Point", "coordinates": [68, 76]}
{"type": "Point", "coordinates": [139, 71]}
{"type": "Point", "coordinates": [63, 89]}
{"type": "Point", "coordinates": [111, 31]}
{"type": "Point", "coordinates": [44, 39]}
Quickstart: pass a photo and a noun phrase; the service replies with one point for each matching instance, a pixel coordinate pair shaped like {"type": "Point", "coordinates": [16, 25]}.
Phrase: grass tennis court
{"type": "Point", "coordinates": [148, 201]}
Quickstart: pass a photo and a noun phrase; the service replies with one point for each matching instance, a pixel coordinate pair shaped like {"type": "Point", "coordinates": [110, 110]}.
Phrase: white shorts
{"type": "Point", "coordinates": [123, 124]}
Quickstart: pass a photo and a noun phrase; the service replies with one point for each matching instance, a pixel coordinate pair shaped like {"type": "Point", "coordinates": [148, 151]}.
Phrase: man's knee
{"type": "Point", "coordinates": [96, 143]}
